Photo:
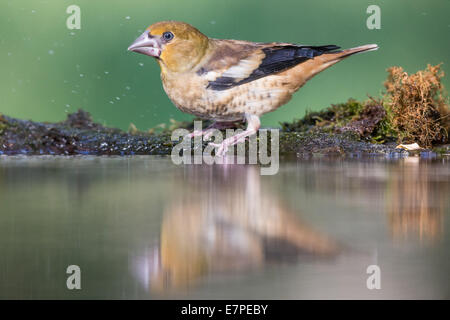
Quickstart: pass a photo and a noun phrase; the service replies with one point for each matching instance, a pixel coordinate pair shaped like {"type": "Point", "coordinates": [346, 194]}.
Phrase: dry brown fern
{"type": "Point", "coordinates": [418, 105]}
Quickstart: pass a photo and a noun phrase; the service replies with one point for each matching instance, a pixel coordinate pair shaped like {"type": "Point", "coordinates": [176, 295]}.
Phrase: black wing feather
{"type": "Point", "coordinates": [277, 59]}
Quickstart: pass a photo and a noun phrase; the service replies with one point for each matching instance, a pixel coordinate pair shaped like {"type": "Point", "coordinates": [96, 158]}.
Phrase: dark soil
{"type": "Point", "coordinates": [79, 135]}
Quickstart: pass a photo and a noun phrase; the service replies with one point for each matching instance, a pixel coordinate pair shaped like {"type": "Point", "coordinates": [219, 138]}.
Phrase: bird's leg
{"type": "Point", "coordinates": [253, 125]}
{"type": "Point", "coordinates": [210, 129]}
{"type": "Point", "coordinates": [218, 125]}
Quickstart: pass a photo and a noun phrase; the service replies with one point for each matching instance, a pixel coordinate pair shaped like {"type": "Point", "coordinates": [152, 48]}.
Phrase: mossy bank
{"type": "Point", "coordinates": [413, 109]}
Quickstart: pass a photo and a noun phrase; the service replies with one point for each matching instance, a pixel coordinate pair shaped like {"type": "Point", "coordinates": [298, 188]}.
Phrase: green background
{"type": "Point", "coordinates": [47, 70]}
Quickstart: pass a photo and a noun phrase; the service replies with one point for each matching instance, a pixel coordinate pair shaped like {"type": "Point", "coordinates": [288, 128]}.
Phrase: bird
{"type": "Point", "coordinates": [226, 80]}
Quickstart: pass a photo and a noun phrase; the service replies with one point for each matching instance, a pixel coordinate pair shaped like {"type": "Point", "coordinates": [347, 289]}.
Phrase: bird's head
{"type": "Point", "coordinates": [177, 46]}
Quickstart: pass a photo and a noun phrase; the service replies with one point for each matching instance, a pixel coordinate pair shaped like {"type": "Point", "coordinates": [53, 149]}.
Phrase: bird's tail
{"type": "Point", "coordinates": [312, 67]}
{"type": "Point", "coordinates": [330, 58]}
{"type": "Point", "coordinates": [339, 55]}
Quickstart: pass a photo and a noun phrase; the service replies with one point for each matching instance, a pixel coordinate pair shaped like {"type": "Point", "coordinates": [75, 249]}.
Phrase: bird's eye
{"type": "Point", "coordinates": [168, 36]}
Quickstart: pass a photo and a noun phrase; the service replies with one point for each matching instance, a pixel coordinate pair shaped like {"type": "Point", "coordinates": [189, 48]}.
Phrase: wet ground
{"type": "Point", "coordinates": [143, 228]}
{"type": "Point", "coordinates": [79, 135]}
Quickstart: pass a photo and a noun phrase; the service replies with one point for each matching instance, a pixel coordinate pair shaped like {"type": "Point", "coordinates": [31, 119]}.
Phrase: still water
{"type": "Point", "coordinates": [143, 228]}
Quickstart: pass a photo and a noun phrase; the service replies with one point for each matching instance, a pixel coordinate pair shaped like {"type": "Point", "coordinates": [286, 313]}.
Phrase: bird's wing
{"type": "Point", "coordinates": [237, 62]}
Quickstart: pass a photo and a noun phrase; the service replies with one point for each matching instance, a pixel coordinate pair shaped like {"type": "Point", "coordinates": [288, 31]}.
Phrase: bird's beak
{"type": "Point", "coordinates": [146, 44]}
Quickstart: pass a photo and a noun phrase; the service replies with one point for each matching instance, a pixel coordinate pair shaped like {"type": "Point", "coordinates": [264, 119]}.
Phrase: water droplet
{"type": "Point", "coordinates": [213, 22]}
{"type": "Point", "coordinates": [51, 52]}
{"type": "Point", "coordinates": [106, 72]}
{"type": "Point", "coordinates": [81, 75]}
{"type": "Point", "coordinates": [112, 102]}
{"type": "Point", "coordinates": [33, 11]}
{"type": "Point", "coordinates": [128, 17]}
{"type": "Point", "coordinates": [9, 54]}
{"type": "Point", "coordinates": [141, 64]}
{"type": "Point", "coordinates": [117, 98]}
{"type": "Point", "coordinates": [127, 87]}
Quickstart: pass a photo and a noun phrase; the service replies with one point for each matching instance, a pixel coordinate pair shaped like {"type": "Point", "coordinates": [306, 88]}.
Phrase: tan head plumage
{"type": "Point", "coordinates": [184, 50]}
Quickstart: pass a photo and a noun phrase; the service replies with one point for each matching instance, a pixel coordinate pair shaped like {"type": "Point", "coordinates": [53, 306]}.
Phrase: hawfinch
{"type": "Point", "coordinates": [231, 80]}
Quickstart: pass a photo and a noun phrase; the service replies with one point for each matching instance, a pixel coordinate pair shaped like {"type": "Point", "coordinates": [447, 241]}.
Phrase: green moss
{"type": "Point", "coordinates": [336, 116]}
{"type": "Point", "coordinates": [385, 131]}
{"type": "Point", "coordinates": [345, 112]}
{"type": "Point", "coordinates": [442, 150]}
{"type": "Point", "coordinates": [308, 122]}
{"type": "Point", "coordinates": [3, 124]}
{"type": "Point", "coordinates": [367, 120]}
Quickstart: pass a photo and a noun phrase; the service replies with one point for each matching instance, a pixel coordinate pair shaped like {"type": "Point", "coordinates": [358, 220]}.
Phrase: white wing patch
{"type": "Point", "coordinates": [242, 70]}
{"type": "Point", "coordinates": [238, 72]}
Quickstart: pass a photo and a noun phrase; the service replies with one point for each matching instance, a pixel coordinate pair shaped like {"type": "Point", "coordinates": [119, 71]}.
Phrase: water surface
{"type": "Point", "coordinates": [143, 228]}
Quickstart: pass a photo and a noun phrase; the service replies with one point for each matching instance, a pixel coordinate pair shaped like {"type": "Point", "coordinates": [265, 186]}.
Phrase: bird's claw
{"type": "Point", "coordinates": [208, 135]}
{"type": "Point", "coordinates": [222, 148]}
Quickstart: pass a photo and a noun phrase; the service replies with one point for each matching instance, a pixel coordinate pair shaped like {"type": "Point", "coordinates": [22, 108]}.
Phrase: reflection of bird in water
{"type": "Point", "coordinates": [224, 221]}
{"type": "Point", "coordinates": [415, 207]}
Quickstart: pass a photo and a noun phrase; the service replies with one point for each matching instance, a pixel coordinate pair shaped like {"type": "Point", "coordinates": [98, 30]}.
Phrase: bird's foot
{"type": "Point", "coordinates": [252, 128]}
{"type": "Point", "coordinates": [222, 148]}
